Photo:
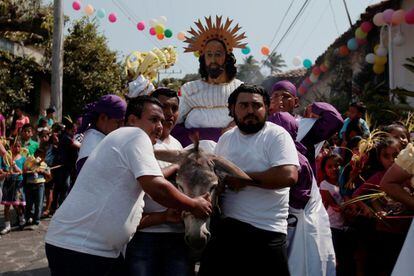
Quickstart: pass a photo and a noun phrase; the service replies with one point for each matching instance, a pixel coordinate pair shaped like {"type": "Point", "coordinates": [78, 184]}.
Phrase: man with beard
{"type": "Point", "coordinates": [250, 239]}
{"type": "Point", "coordinates": [203, 102]}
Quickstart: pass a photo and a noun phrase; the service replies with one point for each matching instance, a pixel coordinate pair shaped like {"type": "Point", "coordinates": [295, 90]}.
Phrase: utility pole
{"type": "Point", "coordinates": [347, 13]}
{"type": "Point", "coordinates": [57, 58]}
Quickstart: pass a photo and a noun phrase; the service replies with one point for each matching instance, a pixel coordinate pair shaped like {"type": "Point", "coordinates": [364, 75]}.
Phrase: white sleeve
{"type": "Point", "coordinates": [184, 108]}
{"type": "Point", "coordinates": [281, 149]}
{"type": "Point", "coordinates": [139, 157]}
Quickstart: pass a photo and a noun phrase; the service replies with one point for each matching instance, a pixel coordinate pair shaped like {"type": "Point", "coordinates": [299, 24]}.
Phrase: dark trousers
{"type": "Point", "coordinates": [34, 201]}
{"type": "Point", "coordinates": [238, 248]}
{"type": "Point", "coordinates": [62, 186]}
{"type": "Point", "coordinates": [64, 262]}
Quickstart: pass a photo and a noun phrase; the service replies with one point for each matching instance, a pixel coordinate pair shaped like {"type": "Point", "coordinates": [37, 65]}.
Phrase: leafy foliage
{"type": "Point", "coordinates": [274, 62]}
{"type": "Point", "coordinates": [249, 71]}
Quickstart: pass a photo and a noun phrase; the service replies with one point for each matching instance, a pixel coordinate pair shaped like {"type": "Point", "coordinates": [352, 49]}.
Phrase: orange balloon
{"type": "Point", "coordinates": [265, 50]}
{"type": "Point", "coordinates": [343, 50]}
{"type": "Point", "coordinates": [181, 36]}
{"type": "Point", "coordinates": [160, 36]}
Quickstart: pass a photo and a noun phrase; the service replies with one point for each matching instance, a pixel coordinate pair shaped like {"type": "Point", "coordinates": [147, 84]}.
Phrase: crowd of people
{"type": "Point", "coordinates": [324, 193]}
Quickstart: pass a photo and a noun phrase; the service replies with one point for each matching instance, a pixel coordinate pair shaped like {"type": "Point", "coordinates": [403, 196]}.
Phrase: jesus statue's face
{"type": "Point", "coordinates": [215, 58]}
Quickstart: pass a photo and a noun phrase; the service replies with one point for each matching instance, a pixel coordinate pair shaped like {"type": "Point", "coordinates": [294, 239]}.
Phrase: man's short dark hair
{"type": "Point", "coordinates": [50, 110]}
{"type": "Point", "coordinates": [27, 126]}
{"type": "Point", "coordinates": [229, 65]}
{"type": "Point", "coordinates": [360, 106]}
{"type": "Point", "coordinates": [164, 91]}
{"type": "Point", "coordinates": [136, 105]}
{"type": "Point", "coordinates": [247, 88]}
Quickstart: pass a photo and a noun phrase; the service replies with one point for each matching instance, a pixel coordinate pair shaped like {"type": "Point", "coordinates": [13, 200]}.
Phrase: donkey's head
{"type": "Point", "coordinates": [199, 173]}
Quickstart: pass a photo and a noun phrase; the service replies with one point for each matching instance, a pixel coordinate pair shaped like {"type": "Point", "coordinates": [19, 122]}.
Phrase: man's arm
{"type": "Point", "coordinates": [163, 192]}
{"type": "Point", "coordinates": [274, 178]}
{"type": "Point", "coordinates": [391, 183]}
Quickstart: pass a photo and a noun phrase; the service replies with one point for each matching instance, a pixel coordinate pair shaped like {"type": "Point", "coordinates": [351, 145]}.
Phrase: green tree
{"type": "Point", "coordinates": [90, 68]}
{"type": "Point", "coordinates": [274, 62]}
{"type": "Point", "coordinates": [249, 71]}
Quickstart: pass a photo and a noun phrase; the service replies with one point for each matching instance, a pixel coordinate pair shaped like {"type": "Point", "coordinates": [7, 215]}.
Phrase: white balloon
{"type": "Point", "coordinates": [398, 40]}
{"type": "Point", "coordinates": [162, 19]}
{"type": "Point", "coordinates": [381, 51]}
{"type": "Point", "coordinates": [153, 22]}
{"type": "Point", "coordinates": [297, 61]}
{"type": "Point", "coordinates": [370, 58]}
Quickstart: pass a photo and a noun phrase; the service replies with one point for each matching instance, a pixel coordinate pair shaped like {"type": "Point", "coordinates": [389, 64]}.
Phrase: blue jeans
{"type": "Point", "coordinates": [158, 254]}
{"type": "Point", "coordinates": [34, 201]}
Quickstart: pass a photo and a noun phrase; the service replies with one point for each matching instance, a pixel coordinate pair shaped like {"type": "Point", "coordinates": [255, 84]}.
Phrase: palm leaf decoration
{"type": "Point", "coordinates": [410, 65]}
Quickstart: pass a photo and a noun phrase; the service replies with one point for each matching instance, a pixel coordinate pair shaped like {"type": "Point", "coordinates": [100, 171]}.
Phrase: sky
{"type": "Point", "coordinates": [321, 22]}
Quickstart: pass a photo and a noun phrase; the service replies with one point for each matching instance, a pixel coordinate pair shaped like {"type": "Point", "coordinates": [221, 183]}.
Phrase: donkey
{"type": "Point", "coordinates": [199, 173]}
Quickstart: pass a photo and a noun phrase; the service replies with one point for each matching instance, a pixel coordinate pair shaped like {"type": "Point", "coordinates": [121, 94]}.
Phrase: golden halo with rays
{"type": "Point", "coordinates": [214, 31]}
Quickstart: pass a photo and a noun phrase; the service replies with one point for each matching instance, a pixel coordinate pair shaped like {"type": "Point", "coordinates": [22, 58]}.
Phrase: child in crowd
{"type": "Point", "coordinates": [356, 112]}
{"type": "Point", "coordinates": [27, 141]}
{"type": "Point", "coordinates": [13, 195]}
{"type": "Point", "coordinates": [399, 132]}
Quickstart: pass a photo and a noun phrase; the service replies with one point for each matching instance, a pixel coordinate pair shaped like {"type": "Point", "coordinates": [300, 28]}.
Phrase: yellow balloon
{"type": "Point", "coordinates": [380, 60]}
{"type": "Point", "coordinates": [196, 54]}
{"type": "Point", "coordinates": [159, 29]}
{"type": "Point", "coordinates": [376, 48]}
{"type": "Point", "coordinates": [378, 68]}
{"type": "Point", "coordinates": [89, 9]}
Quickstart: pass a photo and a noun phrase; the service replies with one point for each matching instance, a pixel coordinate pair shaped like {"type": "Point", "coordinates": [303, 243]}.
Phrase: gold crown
{"type": "Point", "coordinates": [214, 31]}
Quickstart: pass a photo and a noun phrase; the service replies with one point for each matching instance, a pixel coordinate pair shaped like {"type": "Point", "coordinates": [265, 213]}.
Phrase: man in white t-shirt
{"type": "Point", "coordinates": [103, 210]}
{"type": "Point", "coordinates": [251, 238]}
{"type": "Point", "coordinates": [158, 246]}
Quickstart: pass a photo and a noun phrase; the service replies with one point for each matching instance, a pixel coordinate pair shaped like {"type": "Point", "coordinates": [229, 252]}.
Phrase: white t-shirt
{"type": "Point", "coordinates": [91, 139]}
{"type": "Point", "coordinates": [203, 104]}
{"type": "Point", "coordinates": [335, 218]}
{"type": "Point", "coordinates": [104, 208]}
{"type": "Point", "coordinates": [270, 147]}
{"type": "Point", "coordinates": [153, 206]}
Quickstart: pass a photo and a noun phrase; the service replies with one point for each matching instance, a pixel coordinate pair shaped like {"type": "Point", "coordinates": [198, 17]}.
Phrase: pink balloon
{"type": "Point", "coordinates": [366, 26]}
{"type": "Point", "coordinates": [409, 16]}
{"type": "Point", "coordinates": [361, 41]}
{"type": "Point", "coordinates": [378, 19]}
{"type": "Point", "coordinates": [141, 25]}
{"type": "Point", "coordinates": [76, 5]}
{"type": "Point", "coordinates": [112, 17]}
{"type": "Point", "coordinates": [316, 71]}
{"type": "Point", "coordinates": [152, 31]}
{"type": "Point", "coordinates": [398, 17]}
{"type": "Point", "coordinates": [387, 15]}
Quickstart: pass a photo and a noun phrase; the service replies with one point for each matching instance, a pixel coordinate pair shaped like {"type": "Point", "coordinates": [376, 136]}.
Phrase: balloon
{"type": "Point", "coordinates": [265, 50]}
{"type": "Point", "coordinates": [307, 81]}
{"type": "Point", "coordinates": [409, 16]}
{"type": "Point", "coordinates": [152, 31]}
{"type": "Point", "coordinates": [302, 90]}
{"type": "Point", "coordinates": [380, 60]}
{"type": "Point", "coordinates": [366, 26]}
{"type": "Point", "coordinates": [168, 33]}
{"type": "Point", "coordinates": [159, 29]}
{"type": "Point", "coordinates": [297, 61]}
{"type": "Point", "coordinates": [307, 63]}
{"type": "Point", "coordinates": [313, 78]}
{"type": "Point", "coordinates": [343, 51]}
{"type": "Point", "coordinates": [181, 36]}
{"type": "Point", "coordinates": [160, 36]}
{"type": "Point", "coordinates": [323, 68]}
{"type": "Point", "coordinates": [196, 54]}
{"type": "Point", "coordinates": [76, 5]}
{"type": "Point", "coordinates": [101, 13]}
{"type": "Point", "coordinates": [359, 33]}
{"type": "Point", "coordinates": [89, 9]}
{"type": "Point", "coordinates": [162, 19]}
{"type": "Point", "coordinates": [112, 17]}
{"type": "Point", "coordinates": [352, 44]}
{"type": "Point", "coordinates": [378, 68]}
{"type": "Point", "coordinates": [246, 50]}
{"type": "Point", "coordinates": [141, 25]}
{"type": "Point", "coordinates": [378, 20]}
{"type": "Point", "coordinates": [398, 40]}
{"type": "Point", "coordinates": [316, 71]}
{"type": "Point", "coordinates": [381, 51]}
{"type": "Point", "coordinates": [153, 22]}
{"type": "Point", "coordinates": [387, 15]}
{"type": "Point", "coordinates": [361, 41]}
{"type": "Point", "coordinates": [370, 58]}
{"type": "Point", "coordinates": [398, 17]}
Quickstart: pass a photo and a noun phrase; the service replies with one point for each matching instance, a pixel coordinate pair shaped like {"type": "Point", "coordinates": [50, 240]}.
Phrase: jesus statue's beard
{"type": "Point", "coordinates": [215, 71]}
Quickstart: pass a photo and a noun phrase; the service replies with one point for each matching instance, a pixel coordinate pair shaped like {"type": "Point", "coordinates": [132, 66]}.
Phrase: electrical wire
{"type": "Point", "coordinates": [281, 22]}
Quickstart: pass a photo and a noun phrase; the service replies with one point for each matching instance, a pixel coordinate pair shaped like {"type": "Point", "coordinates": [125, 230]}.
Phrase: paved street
{"type": "Point", "coordinates": [22, 252]}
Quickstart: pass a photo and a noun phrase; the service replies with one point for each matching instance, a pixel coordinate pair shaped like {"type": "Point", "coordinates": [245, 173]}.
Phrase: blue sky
{"type": "Point", "coordinates": [320, 24]}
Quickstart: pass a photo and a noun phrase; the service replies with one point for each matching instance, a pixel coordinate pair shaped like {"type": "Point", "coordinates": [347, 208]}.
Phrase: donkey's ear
{"type": "Point", "coordinates": [223, 166]}
{"type": "Point", "coordinates": [171, 156]}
